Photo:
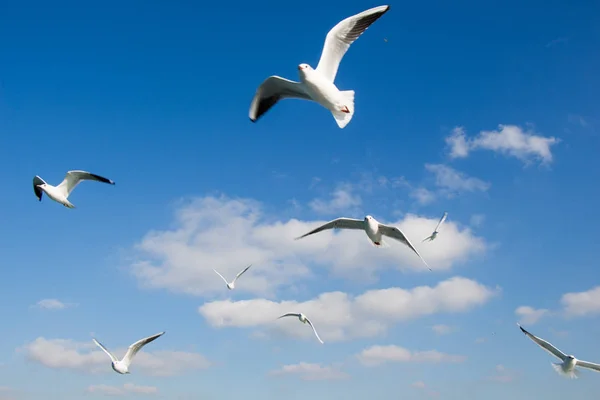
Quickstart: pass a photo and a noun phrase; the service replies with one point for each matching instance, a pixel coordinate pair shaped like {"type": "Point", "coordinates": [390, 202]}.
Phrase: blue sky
{"type": "Point", "coordinates": [487, 111]}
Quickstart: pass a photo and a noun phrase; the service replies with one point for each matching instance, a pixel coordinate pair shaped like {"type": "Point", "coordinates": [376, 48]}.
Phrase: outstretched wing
{"type": "Point", "coordinates": [441, 221]}
{"type": "Point", "coordinates": [589, 365]}
{"type": "Point", "coordinates": [545, 345]}
{"type": "Point", "coordinates": [289, 315]}
{"type": "Point", "coordinates": [341, 36]}
{"type": "Point", "coordinates": [430, 237]}
{"type": "Point", "coordinates": [111, 355]}
{"type": "Point", "coordinates": [273, 89]}
{"type": "Point", "coordinates": [38, 192]}
{"type": "Point", "coordinates": [340, 223]}
{"type": "Point", "coordinates": [224, 280]}
{"type": "Point", "coordinates": [397, 234]}
{"type": "Point", "coordinates": [137, 346]}
{"type": "Point", "coordinates": [241, 272]}
{"type": "Point", "coordinates": [73, 178]}
{"type": "Point", "coordinates": [314, 330]}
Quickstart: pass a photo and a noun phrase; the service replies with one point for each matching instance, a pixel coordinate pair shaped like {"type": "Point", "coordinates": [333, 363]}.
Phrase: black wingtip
{"type": "Point", "coordinates": [252, 120]}
{"type": "Point", "coordinates": [522, 329]}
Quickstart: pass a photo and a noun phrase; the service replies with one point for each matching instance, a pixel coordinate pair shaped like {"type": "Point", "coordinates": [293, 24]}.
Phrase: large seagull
{"type": "Point", "coordinates": [122, 366]}
{"type": "Point", "coordinates": [317, 84]}
{"type": "Point", "coordinates": [568, 364]}
{"type": "Point", "coordinates": [374, 229]}
{"type": "Point", "coordinates": [61, 193]}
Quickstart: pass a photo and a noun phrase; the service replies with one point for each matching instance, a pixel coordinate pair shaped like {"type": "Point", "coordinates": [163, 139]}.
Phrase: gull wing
{"type": "Point", "coordinates": [111, 355]}
{"type": "Point", "coordinates": [430, 237]}
{"type": "Point", "coordinates": [545, 345]}
{"type": "Point", "coordinates": [241, 272]}
{"type": "Point", "coordinates": [224, 280]}
{"type": "Point", "coordinates": [38, 192]}
{"type": "Point", "coordinates": [137, 346]}
{"type": "Point", "coordinates": [395, 233]}
{"type": "Point", "coordinates": [72, 179]}
{"type": "Point", "coordinates": [314, 330]}
{"type": "Point", "coordinates": [589, 365]}
{"type": "Point", "coordinates": [273, 89]}
{"type": "Point", "coordinates": [290, 315]}
{"type": "Point", "coordinates": [441, 221]}
{"type": "Point", "coordinates": [340, 223]}
{"type": "Point", "coordinates": [341, 36]}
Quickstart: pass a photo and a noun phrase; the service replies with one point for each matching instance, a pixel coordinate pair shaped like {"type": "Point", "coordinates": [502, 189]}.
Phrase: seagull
{"type": "Point", "coordinates": [61, 192]}
{"type": "Point", "coordinates": [435, 231]}
{"type": "Point", "coordinates": [231, 285]}
{"type": "Point", "coordinates": [568, 364]}
{"type": "Point", "coordinates": [304, 320]}
{"type": "Point", "coordinates": [122, 366]}
{"type": "Point", "coordinates": [317, 84]}
{"type": "Point", "coordinates": [374, 229]}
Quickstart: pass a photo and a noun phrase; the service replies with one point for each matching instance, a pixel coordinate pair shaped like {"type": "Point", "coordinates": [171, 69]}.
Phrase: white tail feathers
{"type": "Point", "coordinates": [573, 374]}
{"type": "Point", "coordinates": [343, 118]}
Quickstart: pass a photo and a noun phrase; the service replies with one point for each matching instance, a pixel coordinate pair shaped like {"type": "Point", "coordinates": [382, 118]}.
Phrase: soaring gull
{"type": "Point", "coordinates": [374, 229]}
{"type": "Point", "coordinates": [61, 192]}
{"type": "Point", "coordinates": [304, 320]}
{"type": "Point", "coordinates": [435, 231]}
{"type": "Point", "coordinates": [317, 84]}
{"type": "Point", "coordinates": [568, 364]}
{"type": "Point", "coordinates": [231, 285]}
{"type": "Point", "coordinates": [122, 366]}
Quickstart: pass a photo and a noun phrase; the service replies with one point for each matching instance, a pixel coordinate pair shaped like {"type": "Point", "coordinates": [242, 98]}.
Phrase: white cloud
{"type": "Point", "coordinates": [342, 199]}
{"type": "Point", "coordinates": [377, 355]}
{"type": "Point", "coordinates": [52, 304]}
{"type": "Point", "coordinates": [122, 390]}
{"type": "Point", "coordinates": [338, 316]}
{"type": "Point", "coordinates": [311, 372]}
{"type": "Point", "coordinates": [582, 303]}
{"type": "Point", "coordinates": [477, 220]}
{"type": "Point", "coordinates": [529, 315]}
{"type": "Point", "coordinates": [227, 234]}
{"type": "Point", "coordinates": [422, 195]}
{"type": "Point", "coordinates": [419, 385]}
{"type": "Point", "coordinates": [510, 140]}
{"type": "Point", "coordinates": [443, 329]}
{"type": "Point", "coordinates": [69, 354]}
{"type": "Point", "coordinates": [453, 181]}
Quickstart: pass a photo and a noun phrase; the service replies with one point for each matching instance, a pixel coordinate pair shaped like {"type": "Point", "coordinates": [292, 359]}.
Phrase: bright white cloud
{"type": "Point", "coordinates": [84, 356]}
{"type": "Point", "coordinates": [227, 234]}
{"type": "Point", "coordinates": [582, 303]}
{"type": "Point", "coordinates": [122, 390]}
{"type": "Point", "coordinates": [443, 329]}
{"type": "Point", "coordinates": [311, 372]}
{"type": "Point", "coordinates": [343, 198]}
{"type": "Point", "coordinates": [453, 181]}
{"type": "Point", "coordinates": [529, 315]}
{"type": "Point", "coordinates": [338, 316]}
{"type": "Point", "coordinates": [510, 140]}
{"type": "Point", "coordinates": [52, 304]}
{"type": "Point", "coordinates": [378, 355]}
{"type": "Point", "coordinates": [422, 195]}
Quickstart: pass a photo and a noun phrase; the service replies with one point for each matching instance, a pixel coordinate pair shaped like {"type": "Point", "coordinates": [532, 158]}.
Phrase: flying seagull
{"type": "Point", "coordinates": [231, 285]}
{"type": "Point", "coordinates": [122, 366]}
{"type": "Point", "coordinates": [435, 231]}
{"type": "Point", "coordinates": [61, 192]}
{"type": "Point", "coordinates": [317, 84]}
{"type": "Point", "coordinates": [304, 320]}
{"type": "Point", "coordinates": [568, 364]}
{"type": "Point", "coordinates": [374, 229]}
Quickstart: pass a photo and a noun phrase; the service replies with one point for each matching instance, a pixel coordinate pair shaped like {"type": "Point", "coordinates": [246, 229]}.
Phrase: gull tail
{"type": "Point", "coordinates": [381, 244]}
{"type": "Point", "coordinates": [573, 374]}
{"type": "Point", "coordinates": [343, 118]}
{"type": "Point", "coordinates": [427, 238]}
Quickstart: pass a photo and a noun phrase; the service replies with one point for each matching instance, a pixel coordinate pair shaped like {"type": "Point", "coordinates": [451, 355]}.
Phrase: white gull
{"type": "Point", "coordinates": [61, 193]}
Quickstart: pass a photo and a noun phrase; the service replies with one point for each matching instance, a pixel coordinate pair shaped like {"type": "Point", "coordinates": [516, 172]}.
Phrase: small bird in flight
{"type": "Point", "coordinates": [304, 320]}
{"type": "Point", "coordinates": [122, 366]}
{"type": "Point", "coordinates": [231, 285]}
{"type": "Point", "coordinates": [61, 193]}
{"type": "Point", "coordinates": [435, 231]}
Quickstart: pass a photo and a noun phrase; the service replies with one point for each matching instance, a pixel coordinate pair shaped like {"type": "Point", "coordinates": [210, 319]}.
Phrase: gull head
{"type": "Point", "coordinates": [368, 218]}
{"type": "Point", "coordinates": [304, 67]}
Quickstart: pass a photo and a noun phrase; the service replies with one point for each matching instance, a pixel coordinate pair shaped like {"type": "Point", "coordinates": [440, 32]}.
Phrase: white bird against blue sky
{"type": "Point", "coordinates": [435, 231]}
{"type": "Point", "coordinates": [304, 319]}
{"type": "Point", "coordinates": [317, 84]}
{"type": "Point", "coordinates": [231, 285]}
{"type": "Point", "coordinates": [374, 229]}
{"type": "Point", "coordinates": [122, 366]}
{"type": "Point", "coordinates": [61, 193]}
{"type": "Point", "coordinates": [568, 363]}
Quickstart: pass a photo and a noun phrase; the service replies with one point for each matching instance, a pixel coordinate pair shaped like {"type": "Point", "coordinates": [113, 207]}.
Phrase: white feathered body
{"type": "Point", "coordinates": [120, 367]}
{"type": "Point", "coordinates": [56, 194]}
{"type": "Point", "coordinates": [567, 368]}
{"type": "Point", "coordinates": [321, 89]}
{"type": "Point", "coordinates": [372, 230]}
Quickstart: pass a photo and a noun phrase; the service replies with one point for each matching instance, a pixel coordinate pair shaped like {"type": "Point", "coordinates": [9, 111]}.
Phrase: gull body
{"type": "Point", "coordinates": [61, 192]}
{"type": "Point", "coordinates": [304, 319]}
{"type": "Point", "coordinates": [373, 228]}
{"type": "Point", "coordinates": [122, 366]}
{"type": "Point", "coordinates": [568, 362]}
{"type": "Point", "coordinates": [435, 231]}
{"type": "Point", "coordinates": [318, 84]}
{"type": "Point", "coordinates": [231, 285]}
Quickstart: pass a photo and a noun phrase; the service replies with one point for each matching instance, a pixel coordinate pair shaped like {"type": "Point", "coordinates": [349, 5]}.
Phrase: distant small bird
{"type": "Point", "coordinates": [568, 364]}
{"type": "Point", "coordinates": [385, 40]}
{"type": "Point", "coordinates": [61, 193]}
{"type": "Point", "coordinates": [231, 285]}
{"type": "Point", "coordinates": [374, 229]}
{"type": "Point", "coordinates": [304, 320]}
{"type": "Point", "coordinates": [435, 231]}
{"type": "Point", "coordinates": [317, 84]}
{"type": "Point", "coordinates": [122, 366]}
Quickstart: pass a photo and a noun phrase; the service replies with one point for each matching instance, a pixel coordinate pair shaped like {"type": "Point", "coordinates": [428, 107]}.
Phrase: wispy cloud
{"type": "Point", "coordinates": [529, 315]}
{"type": "Point", "coordinates": [443, 329]}
{"type": "Point", "coordinates": [343, 198]}
{"type": "Point", "coordinates": [53, 304]}
{"type": "Point", "coordinates": [126, 389]}
{"type": "Point", "coordinates": [311, 372]}
{"type": "Point", "coordinates": [560, 40]}
{"type": "Point", "coordinates": [452, 181]}
{"type": "Point", "coordinates": [377, 355]}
